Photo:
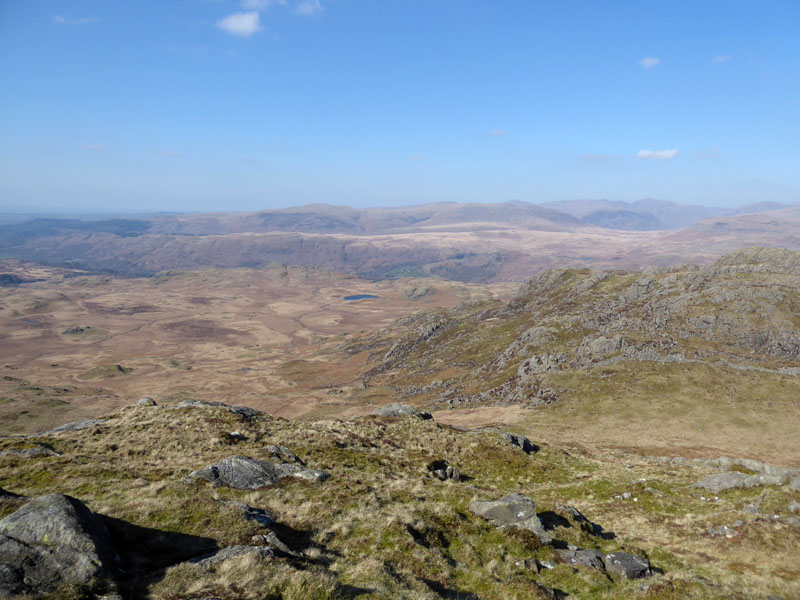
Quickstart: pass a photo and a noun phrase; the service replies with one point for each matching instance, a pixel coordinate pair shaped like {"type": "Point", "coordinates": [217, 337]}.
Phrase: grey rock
{"type": "Point", "coordinates": [271, 540]}
{"type": "Point", "coordinates": [145, 401]}
{"type": "Point", "coordinates": [31, 452]}
{"type": "Point", "coordinates": [211, 560]}
{"type": "Point", "coordinates": [51, 541]}
{"type": "Point", "coordinates": [414, 293]}
{"type": "Point", "coordinates": [245, 473]}
{"type": "Point", "coordinates": [794, 506]}
{"type": "Point", "coordinates": [520, 441]}
{"type": "Point", "coordinates": [541, 364]}
{"type": "Point", "coordinates": [627, 565]}
{"type": "Point", "coordinates": [74, 426]}
{"type": "Point", "coordinates": [514, 510]}
{"type": "Point", "coordinates": [259, 515]}
{"type": "Point", "coordinates": [604, 346]}
{"type": "Point", "coordinates": [590, 558]}
{"type": "Point", "coordinates": [243, 411]}
{"type": "Point", "coordinates": [734, 479]}
{"type": "Point", "coordinates": [794, 484]}
{"type": "Point", "coordinates": [578, 517]}
{"type": "Point", "coordinates": [283, 454]}
{"type": "Point", "coordinates": [5, 495]}
{"type": "Point", "coordinates": [396, 409]}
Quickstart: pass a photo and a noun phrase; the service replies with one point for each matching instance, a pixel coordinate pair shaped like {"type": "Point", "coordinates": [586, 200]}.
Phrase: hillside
{"type": "Point", "coordinates": [710, 355]}
{"type": "Point", "coordinates": [374, 507]}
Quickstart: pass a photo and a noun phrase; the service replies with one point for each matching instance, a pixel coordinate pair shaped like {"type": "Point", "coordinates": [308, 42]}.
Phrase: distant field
{"type": "Point", "coordinates": [76, 346]}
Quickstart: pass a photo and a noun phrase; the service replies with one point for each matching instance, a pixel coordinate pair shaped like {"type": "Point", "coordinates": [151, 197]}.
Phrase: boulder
{"type": "Point", "coordinates": [52, 541]}
{"type": "Point", "coordinates": [627, 565]}
{"type": "Point", "coordinates": [145, 401]}
{"type": "Point", "coordinates": [245, 473]}
{"type": "Point", "coordinates": [514, 510]}
{"type": "Point", "coordinates": [444, 471]}
{"type": "Point", "coordinates": [590, 558]}
{"type": "Point", "coordinates": [283, 454]}
{"type": "Point", "coordinates": [396, 409]}
{"type": "Point", "coordinates": [259, 515]}
{"type": "Point", "coordinates": [74, 426]}
{"type": "Point", "coordinates": [794, 484]}
{"type": "Point", "coordinates": [520, 441]}
{"type": "Point", "coordinates": [211, 560]}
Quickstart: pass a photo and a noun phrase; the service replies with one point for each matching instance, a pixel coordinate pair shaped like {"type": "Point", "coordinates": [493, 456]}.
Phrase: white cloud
{"type": "Point", "coordinates": [498, 132]}
{"type": "Point", "coordinates": [650, 62]}
{"type": "Point", "coordinates": [721, 58]}
{"type": "Point", "coordinates": [416, 158]}
{"type": "Point", "coordinates": [67, 20]}
{"type": "Point", "coordinates": [95, 147]}
{"type": "Point", "coordinates": [657, 154]}
{"type": "Point", "coordinates": [168, 153]}
{"type": "Point", "coordinates": [243, 24]}
{"type": "Point", "coordinates": [262, 4]}
{"type": "Point", "coordinates": [309, 8]}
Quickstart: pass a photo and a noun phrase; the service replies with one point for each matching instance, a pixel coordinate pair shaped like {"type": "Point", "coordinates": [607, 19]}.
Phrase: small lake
{"type": "Point", "coordinates": [360, 297]}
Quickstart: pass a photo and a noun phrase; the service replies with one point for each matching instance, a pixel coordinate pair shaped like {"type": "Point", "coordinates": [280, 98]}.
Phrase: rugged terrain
{"type": "Point", "coordinates": [595, 434]}
{"type": "Point", "coordinates": [375, 507]}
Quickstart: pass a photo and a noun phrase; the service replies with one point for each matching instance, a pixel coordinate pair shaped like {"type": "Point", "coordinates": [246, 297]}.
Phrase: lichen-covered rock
{"type": "Point", "coordinates": [520, 441]}
{"type": "Point", "coordinates": [74, 426]}
{"type": "Point", "coordinates": [283, 454]}
{"type": "Point", "coordinates": [720, 482]}
{"type": "Point", "coordinates": [52, 541]}
{"type": "Point", "coordinates": [243, 411]}
{"type": "Point", "coordinates": [245, 473]}
{"type": "Point", "coordinates": [396, 409]}
{"type": "Point", "coordinates": [35, 452]}
{"type": "Point", "coordinates": [627, 565]}
{"type": "Point", "coordinates": [145, 401]}
{"type": "Point", "coordinates": [211, 560]}
{"type": "Point", "coordinates": [514, 510]}
{"type": "Point", "coordinates": [444, 471]}
{"type": "Point", "coordinates": [590, 558]}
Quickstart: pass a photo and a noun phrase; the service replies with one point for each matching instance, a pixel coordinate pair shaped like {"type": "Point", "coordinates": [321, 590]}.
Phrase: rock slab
{"type": "Point", "coordinates": [627, 565]}
{"type": "Point", "coordinates": [245, 473]}
{"type": "Point", "coordinates": [514, 510]}
{"type": "Point", "coordinates": [52, 541]}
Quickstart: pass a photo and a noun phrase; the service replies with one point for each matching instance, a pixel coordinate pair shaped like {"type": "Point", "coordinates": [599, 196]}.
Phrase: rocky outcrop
{"type": "Point", "coordinates": [52, 541]}
{"type": "Point", "coordinates": [72, 427]}
{"type": "Point", "coordinates": [35, 452]}
{"type": "Point", "coordinates": [514, 510]}
{"type": "Point", "coordinates": [444, 471]}
{"type": "Point", "coordinates": [245, 473]}
{"type": "Point", "coordinates": [395, 409]}
{"type": "Point", "coordinates": [520, 441]}
{"type": "Point", "coordinates": [720, 482]}
{"type": "Point", "coordinates": [243, 411]}
{"type": "Point", "coordinates": [627, 566]}
{"type": "Point", "coordinates": [145, 401]}
{"type": "Point", "coordinates": [210, 561]}
{"type": "Point", "coordinates": [589, 558]}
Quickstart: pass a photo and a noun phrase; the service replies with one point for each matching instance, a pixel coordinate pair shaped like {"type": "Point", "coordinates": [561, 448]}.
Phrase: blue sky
{"type": "Point", "coordinates": [249, 104]}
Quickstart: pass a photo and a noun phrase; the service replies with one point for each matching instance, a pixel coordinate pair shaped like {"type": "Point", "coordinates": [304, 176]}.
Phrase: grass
{"type": "Point", "coordinates": [381, 526]}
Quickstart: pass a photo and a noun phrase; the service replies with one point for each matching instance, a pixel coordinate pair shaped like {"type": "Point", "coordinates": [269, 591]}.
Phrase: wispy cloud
{"type": "Point", "coordinates": [650, 62]}
{"type": "Point", "coordinates": [712, 152]}
{"type": "Point", "coordinates": [309, 8]}
{"type": "Point", "coordinates": [243, 24]}
{"type": "Point", "coordinates": [416, 158]}
{"type": "Point", "coordinates": [168, 153]}
{"type": "Point", "coordinates": [262, 4]}
{"type": "Point", "coordinates": [657, 154]}
{"type": "Point", "coordinates": [95, 147]}
{"type": "Point", "coordinates": [67, 20]}
{"type": "Point", "coordinates": [498, 132]}
{"type": "Point", "coordinates": [722, 58]}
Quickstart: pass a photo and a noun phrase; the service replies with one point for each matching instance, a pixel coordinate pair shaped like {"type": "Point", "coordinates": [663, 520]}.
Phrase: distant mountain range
{"type": "Point", "coordinates": [649, 214]}
{"type": "Point", "coordinates": [467, 242]}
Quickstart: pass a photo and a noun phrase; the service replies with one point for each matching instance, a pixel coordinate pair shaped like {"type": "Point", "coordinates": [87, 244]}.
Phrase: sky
{"type": "Point", "coordinates": [200, 105]}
